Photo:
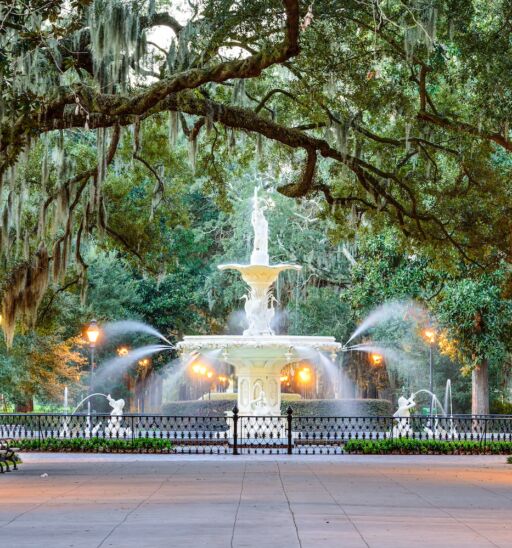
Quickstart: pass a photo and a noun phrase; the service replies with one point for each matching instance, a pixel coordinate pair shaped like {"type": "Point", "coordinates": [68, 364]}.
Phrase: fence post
{"type": "Point", "coordinates": [289, 416]}
{"type": "Point", "coordinates": [235, 430]}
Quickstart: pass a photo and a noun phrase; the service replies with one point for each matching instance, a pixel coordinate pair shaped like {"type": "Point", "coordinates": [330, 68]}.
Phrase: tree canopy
{"type": "Point", "coordinates": [391, 110]}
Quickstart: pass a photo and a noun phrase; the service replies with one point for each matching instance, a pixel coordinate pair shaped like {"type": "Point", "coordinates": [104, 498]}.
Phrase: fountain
{"type": "Point", "coordinates": [259, 355]}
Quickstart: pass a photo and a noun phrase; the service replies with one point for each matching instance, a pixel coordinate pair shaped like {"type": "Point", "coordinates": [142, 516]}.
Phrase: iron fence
{"type": "Point", "coordinates": [238, 434]}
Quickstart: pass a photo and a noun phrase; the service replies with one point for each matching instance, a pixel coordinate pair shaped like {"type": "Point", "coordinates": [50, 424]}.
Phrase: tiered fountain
{"type": "Point", "coordinates": [259, 355]}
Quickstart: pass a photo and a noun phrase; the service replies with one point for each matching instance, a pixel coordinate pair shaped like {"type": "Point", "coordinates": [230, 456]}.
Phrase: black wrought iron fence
{"type": "Point", "coordinates": [236, 434]}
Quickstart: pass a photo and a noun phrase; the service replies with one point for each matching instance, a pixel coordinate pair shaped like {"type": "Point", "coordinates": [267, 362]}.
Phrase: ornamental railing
{"type": "Point", "coordinates": [238, 434]}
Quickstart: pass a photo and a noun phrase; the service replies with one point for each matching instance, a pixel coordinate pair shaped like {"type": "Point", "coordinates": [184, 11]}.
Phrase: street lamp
{"type": "Point", "coordinates": [430, 336]}
{"type": "Point", "coordinates": [93, 332]}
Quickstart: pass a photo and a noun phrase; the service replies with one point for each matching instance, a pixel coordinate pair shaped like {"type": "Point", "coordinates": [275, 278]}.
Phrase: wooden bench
{"type": "Point", "coordinates": [8, 455]}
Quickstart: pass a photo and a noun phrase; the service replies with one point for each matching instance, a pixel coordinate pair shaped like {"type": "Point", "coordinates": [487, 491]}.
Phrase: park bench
{"type": "Point", "coordinates": [8, 455]}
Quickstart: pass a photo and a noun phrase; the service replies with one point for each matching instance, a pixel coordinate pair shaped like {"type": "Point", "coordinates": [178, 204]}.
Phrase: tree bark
{"type": "Point", "coordinates": [25, 407]}
{"type": "Point", "coordinates": [480, 389]}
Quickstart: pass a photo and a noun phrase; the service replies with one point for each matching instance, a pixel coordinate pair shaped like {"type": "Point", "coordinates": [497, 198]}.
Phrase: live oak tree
{"type": "Point", "coordinates": [391, 110]}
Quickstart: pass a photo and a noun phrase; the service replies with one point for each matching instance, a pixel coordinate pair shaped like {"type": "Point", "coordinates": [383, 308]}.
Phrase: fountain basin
{"type": "Point", "coordinates": [258, 361]}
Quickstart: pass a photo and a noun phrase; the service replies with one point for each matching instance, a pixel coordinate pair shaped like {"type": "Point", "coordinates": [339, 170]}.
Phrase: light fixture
{"type": "Point", "coordinates": [305, 374]}
{"type": "Point", "coordinates": [122, 351]}
{"type": "Point", "coordinates": [430, 335]}
{"type": "Point", "coordinates": [376, 358]}
{"type": "Point", "coordinates": [93, 332]}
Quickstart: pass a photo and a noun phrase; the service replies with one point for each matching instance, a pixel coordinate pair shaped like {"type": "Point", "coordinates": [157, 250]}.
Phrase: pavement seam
{"type": "Point", "coordinates": [238, 506]}
{"type": "Point", "coordinates": [50, 499]}
{"type": "Point", "coordinates": [461, 522]}
{"type": "Point", "coordinates": [141, 503]}
{"type": "Point", "coordinates": [289, 505]}
{"type": "Point", "coordinates": [338, 505]}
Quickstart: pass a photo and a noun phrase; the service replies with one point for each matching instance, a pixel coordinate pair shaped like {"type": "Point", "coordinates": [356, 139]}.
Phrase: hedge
{"type": "Point", "coordinates": [406, 446]}
{"type": "Point", "coordinates": [97, 445]}
{"type": "Point", "coordinates": [308, 408]}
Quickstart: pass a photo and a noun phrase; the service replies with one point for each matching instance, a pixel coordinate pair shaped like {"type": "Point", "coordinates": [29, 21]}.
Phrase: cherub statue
{"type": "Point", "coordinates": [260, 406]}
{"type": "Point", "coordinates": [114, 428]}
{"type": "Point", "coordinates": [402, 414]}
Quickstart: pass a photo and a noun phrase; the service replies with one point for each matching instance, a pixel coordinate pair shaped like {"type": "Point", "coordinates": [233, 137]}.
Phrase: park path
{"type": "Point", "coordinates": [256, 501]}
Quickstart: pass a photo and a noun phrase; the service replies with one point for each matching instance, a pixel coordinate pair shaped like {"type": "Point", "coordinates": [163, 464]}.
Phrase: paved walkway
{"type": "Point", "coordinates": [343, 501]}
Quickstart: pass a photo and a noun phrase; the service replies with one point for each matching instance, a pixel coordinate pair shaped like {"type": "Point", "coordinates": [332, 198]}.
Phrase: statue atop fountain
{"type": "Point", "coordinates": [259, 275]}
{"type": "Point", "coordinates": [259, 253]}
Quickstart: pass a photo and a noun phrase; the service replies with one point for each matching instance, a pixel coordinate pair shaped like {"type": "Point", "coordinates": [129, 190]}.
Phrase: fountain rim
{"type": "Point", "coordinates": [260, 341]}
{"type": "Point", "coordinates": [258, 266]}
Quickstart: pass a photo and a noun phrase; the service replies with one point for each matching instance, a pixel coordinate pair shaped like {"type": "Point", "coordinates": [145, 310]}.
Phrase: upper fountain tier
{"type": "Point", "coordinates": [259, 275]}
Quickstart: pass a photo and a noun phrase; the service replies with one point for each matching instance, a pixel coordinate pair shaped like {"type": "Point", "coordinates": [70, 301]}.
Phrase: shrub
{"type": "Point", "coordinates": [307, 408]}
{"type": "Point", "coordinates": [405, 446]}
{"type": "Point", "coordinates": [96, 445]}
{"type": "Point", "coordinates": [501, 408]}
{"type": "Point", "coordinates": [339, 408]}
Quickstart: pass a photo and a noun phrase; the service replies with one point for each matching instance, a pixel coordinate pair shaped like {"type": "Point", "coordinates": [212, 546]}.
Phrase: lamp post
{"type": "Point", "coordinates": [93, 333]}
{"type": "Point", "coordinates": [430, 337]}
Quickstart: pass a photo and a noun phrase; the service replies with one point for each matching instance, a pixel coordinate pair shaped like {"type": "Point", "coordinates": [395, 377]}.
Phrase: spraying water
{"type": "Point", "coordinates": [86, 399]}
{"type": "Point", "coordinates": [120, 364]}
{"type": "Point", "coordinates": [386, 312]}
{"type": "Point", "coordinates": [132, 326]}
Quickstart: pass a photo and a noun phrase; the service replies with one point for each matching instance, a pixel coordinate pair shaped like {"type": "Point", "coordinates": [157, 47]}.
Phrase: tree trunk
{"type": "Point", "coordinates": [25, 407]}
{"type": "Point", "coordinates": [480, 389]}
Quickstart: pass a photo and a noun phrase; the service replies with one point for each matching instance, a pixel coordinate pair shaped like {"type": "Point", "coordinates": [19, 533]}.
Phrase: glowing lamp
{"type": "Point", "coordinates": [122, 351]}
{"type": "Point", "coordinates": [430, 335]}
{"type": "Point", "coordinates": [305, 375]}
{"type": "Point", "coordinates": [376, 359]}
{"type": "Point", "coordinates": [209, 374]}
{"type": "Point", "coordinates": [93, 332]}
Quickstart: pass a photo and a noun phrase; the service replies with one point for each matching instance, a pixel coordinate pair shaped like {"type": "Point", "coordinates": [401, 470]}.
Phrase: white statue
{"type": "Point", "coordinates": [260, 227]}
{"type": "Point", "coordinates": [402, 414]}
{"type": "Point", "coordinates": [114, 428]}
{"type": "Point", "coordinates": [260, 406]}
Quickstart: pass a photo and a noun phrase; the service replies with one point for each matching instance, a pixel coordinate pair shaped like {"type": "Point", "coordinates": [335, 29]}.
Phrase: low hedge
{"type": "Point", "coordinates": [306, 408]}
{"type": "Point", "coordinates": [406, 446]}
{"type": "Point", "coordinates": [96, 445]}
{"type": "Point", "coordinates": [339, 408]}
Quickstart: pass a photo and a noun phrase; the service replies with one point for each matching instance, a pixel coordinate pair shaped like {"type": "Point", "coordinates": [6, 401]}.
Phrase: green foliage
{"type": "Point", "coordinates": [405, 446]}
{"type": "Point", "coordinates": [477, 319]}
{"type": "Point", "coordinates": [96, 445]}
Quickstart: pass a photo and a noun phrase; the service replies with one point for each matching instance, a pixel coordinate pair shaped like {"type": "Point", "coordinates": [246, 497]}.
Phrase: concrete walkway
{"type": "Point", "coordinates": [248, 501]}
